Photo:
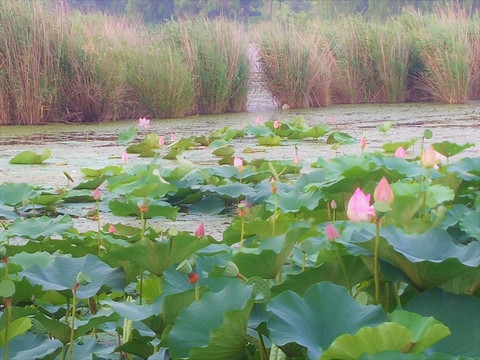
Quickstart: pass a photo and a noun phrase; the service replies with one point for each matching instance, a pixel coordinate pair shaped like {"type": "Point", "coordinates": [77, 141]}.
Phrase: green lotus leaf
{"type": "Point", "coordinates": [294, 201]}
{"type": "Point", "coordinates": [428, 259]}
{"type": "Point", "coordinates": [209, 205]}
{"type": "Point", "coordinates": [46, 199]}
{"type": "Point", "coordinates": [17, 327]}
{"type": "Point", "coordinates": [425, 331]}
{"type": "Point", "coordinates": [30, 157]}
{"type": "Point", "coordinates": [230, 191]}
{"type": "Point", "coordinates": [318, 131]}
{"type": "Point", "coordinates": [78, 196]}
{"type": "Point", "coordinates": [392, 354]}
{"type": "Point", "coordinates": [61, 330]}
{"type": "Point", "coordinates": [109, 170]}
{"type": "Point", "coordinates": [91, 184]}
{"type": "Point", "coordinates": [127, 136]}
{"type": "Point", "coordinates": [317, 319]}
{"type": "Point", "coordinates": [459, 313]}
{"type": "Point", "coordinates": [466, 168]}
{"type": "Point", "coordinates": [446, 148]}
{"type": "Point", "coordinates": [200, 332]}
{"type": "Point", "coordinates": [385, 126]}
{"type": "Point", "coordinates": [14, 194]}
{"type": "Point", "coordinates": [392, 147]}
{"type": "Point", "coordinates": [143, 184]}
{"type": "Point", "coordinates": [133, 311]}
{"type": "Point", "coordinates": [398, 168]}
{"type": "Point", "coordinates": [41, 227]}
{"type": "Point", "coordinates": [40, 258]}
{"type": "Point", "coordinates": [341, 138]}
{"type": "Point", "coordinates": [60, 275]}
{"type": "Point", "coordinates": [155, 208]}
{"type": "Point", "coordinates": [31, 346]}
{"type": "Point", "coordinates": [156, 256]}
{"type": "Point", "coordinates": [258, 131]}
{"type": "Point", "coordinates": [224, 151]}
{"type": "Point", "coordinates": [470, 223]}
{"type": "Point", "coordinates": [270, 140]}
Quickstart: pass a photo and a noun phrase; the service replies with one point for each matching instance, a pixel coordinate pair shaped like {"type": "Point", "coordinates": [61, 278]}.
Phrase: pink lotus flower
{"type": "Point", "coordinates": [429, 158]}
{"type": "Point", "coordinates": [200, 232]}
{"type": "Point", "coordinates": [238, 162]}
{"type": "Point", "coordinates": [296, 160]}
{"type": "Point", "coordinates": [161, 141]}
{"type": "Point", "coordinates": [173, 137]}
{"type": "Point", "coordinates": [125, 157]}
{"type": "Point", "coordinates": [331, 233]}
{"type": "Point", "coordinates": [363, 143]}
{"type": "Point", "coordinates": [276, 124]}
{"type": "Point", "coordinates": [332, 120]}
{"type": "Point", "coordinates": [96, 194]}
{"type": "Point", "coordinates": [401, 153]}
{"type": "Point", "coordinates": [111, 229]}
{"type": "Point", "coordinates": [144, 122]}
{"type": "Point", "coordinates": [359, 208]}
{"type": "Point", "coordinates": [383, 192]}
{"type": "Point", "coordinates": [258, 121]}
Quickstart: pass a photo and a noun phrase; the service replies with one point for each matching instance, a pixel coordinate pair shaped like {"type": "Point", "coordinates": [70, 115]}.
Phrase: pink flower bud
{"type": "Point", "coordinates": [363, 143]}
{"type": "Point", "coordinates": [401, 153]}
{"type": "Point", "coordinates": [238, 162]}
{"type": "Point", "coordinates": [96, 194]}
{"type": "Point", "coordinates": [125, 157]}
{"type": "Point", "coordinates": [276, 124]}
{"type": "Point", "coordinates": [258, 121]}
{"type": "Point", "coordinates": [161, 141]}
{"type": "Point", "coordinates": [331, 233]}
{"type": "Point", "coordinates": [332, 120]}
{"type": "Point", "coordinates": [296, 160]}
{"type": "Point", "coordinates": [383, 192]}
{"type": "Point", "coordinates": [111, 229]}
{"type": "Point", "coordinates": [200, 232]}
{"type": "Point", "coordinates": [333, 205]}
{"type": "Point", "coordinates": [429, 158]}
{"type": "Point", "coordinates": [359, 208]}
{"type": "Point", "coordinates": [173, 137]}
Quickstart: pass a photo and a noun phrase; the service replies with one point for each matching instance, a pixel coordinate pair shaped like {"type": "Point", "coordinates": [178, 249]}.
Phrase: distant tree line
{"type": "Point", "coordinates": [154, 11]}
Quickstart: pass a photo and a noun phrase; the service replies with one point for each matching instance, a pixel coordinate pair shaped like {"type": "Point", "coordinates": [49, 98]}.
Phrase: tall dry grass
{"type": "Point", "coordinates": [295, 65]}
{"type": "Point", "coordinates": [216, 53]}
{"type": "Point", "coordinates": [441, 47]}
{"type": "Point", "coordinates": [474, 42]}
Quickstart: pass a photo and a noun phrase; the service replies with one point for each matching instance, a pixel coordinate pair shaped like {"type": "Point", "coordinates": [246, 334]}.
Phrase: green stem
{"type": "Point", "coordinates": [344, 270]}
{"type": "Point", "coordinates": [304, 261]}
{"type": "Point", "coordinates": [397, 295]}
{"type": "Point", "coordinates": [263, 350]}
{"type": "Point", "coordinates": [197, 292]}
{"type": "Point", "coordinates": [376, 264]}
{"type": "Point", "coordinates": [427, 177]}
{"type": "Point", "coordinates": [72, 330]}
{"type": "Point", "coordinates": [141, 285]}
{"type": "Point", "coordinates": [143, 222]}
{"type": "Point", "coordinates": [242, 234]}
{"type": "Point", "coordinates": [99, 227]}
{"type": "Point", "coordinates": [7, 326]}
{"type": "Point", "coordinates": [275, 213]}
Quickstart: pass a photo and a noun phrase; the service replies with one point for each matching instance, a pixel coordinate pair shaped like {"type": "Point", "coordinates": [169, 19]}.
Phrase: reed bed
{"type": "Point", "coordinates": [295, 65]}
{"type": "Point", "coordinates": [59, 65]}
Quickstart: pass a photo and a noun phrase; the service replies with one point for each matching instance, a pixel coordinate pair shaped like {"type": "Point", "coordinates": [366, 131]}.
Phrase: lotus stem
{"type": "Point", "coordinates": [99, 227]}
{"type": "Point", "coordinates": [72, 329]}
{"type": "Point", "coordinates": [344, 270]}
{"type": "Point", "coordinates": [263, 350]}
{"type": "Point", "coordinates": [242, 234]}
{"type": "Point", "coordinates": [376, 264]}
{"type": "Point", "coordinates": [197, 292]}
{"type": "Point", "coordinates": [141, 286]}
{"type": "Point", "coordinates": [304, 261]}
{"type": "Point", "coordinates": [397, 295]}
{"type": "Point", "coordinates": [8, 305]}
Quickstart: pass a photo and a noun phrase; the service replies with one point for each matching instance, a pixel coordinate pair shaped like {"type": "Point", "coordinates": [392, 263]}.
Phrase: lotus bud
{"type": "Point", "coordinates": [111, 229]}
{"type": "Point", "coordinates": [161, 141]}
{"type": "Point", "coordinates": [200, 232]}
{"type": "Point", "coordinates": [231, 270]}
{"type": "Point", "coordinates": [242, 209]}
{"type": "Point", "coordinates": [363, 143]}
{"type": "Point", "coordinates": [429, 158]}
{"type": "Point", "coordinates": [143, 208]}
{"type": "Point", "coordinates": [333, 205]}
{"type": "Point", "coordinates": [276, 124]}
{"type": "Point", "coordinates": [331, 233]}
{"type": "Point", "coordinates": [83, 278]}
{"type": "Point", "coordinates": [401, 153]}
{"type": "Point", "coordinates": [96, 194]}
{"type": "Point", "coordinates": [125, 157]}
{"type": "Point", "coordinates": [185, 267]}
{"type": "Point", "coordinates": [383, 192]}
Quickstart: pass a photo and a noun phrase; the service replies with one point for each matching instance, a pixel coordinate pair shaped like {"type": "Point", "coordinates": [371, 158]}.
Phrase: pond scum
{"type": "Point", "coordinates": [59, 65]}
{"type": "Point", "coordinates": [366, 256]}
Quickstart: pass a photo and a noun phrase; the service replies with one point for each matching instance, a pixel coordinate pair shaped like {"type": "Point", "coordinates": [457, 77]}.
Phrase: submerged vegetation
{"type": "Point", "coordinates": [61, 65]}
{"type": "Point", "coordinates": [373, 255]}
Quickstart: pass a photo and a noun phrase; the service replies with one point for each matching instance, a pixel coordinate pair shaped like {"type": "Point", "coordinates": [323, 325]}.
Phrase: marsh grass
{"type": "Point", "coordinates": [443, 49]}
{"type": "Point", "coordinates": [216, 53]}
{"type": "Point", "coordinates": [295, 65]}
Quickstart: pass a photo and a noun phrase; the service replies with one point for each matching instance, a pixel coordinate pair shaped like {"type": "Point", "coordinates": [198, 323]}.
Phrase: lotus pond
{"type": "Point", "coordinates": [285, 236]}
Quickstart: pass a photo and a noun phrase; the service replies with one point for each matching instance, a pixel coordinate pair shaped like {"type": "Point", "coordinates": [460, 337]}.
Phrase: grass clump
{"type": "Point", "coordinates": [295, 65]}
